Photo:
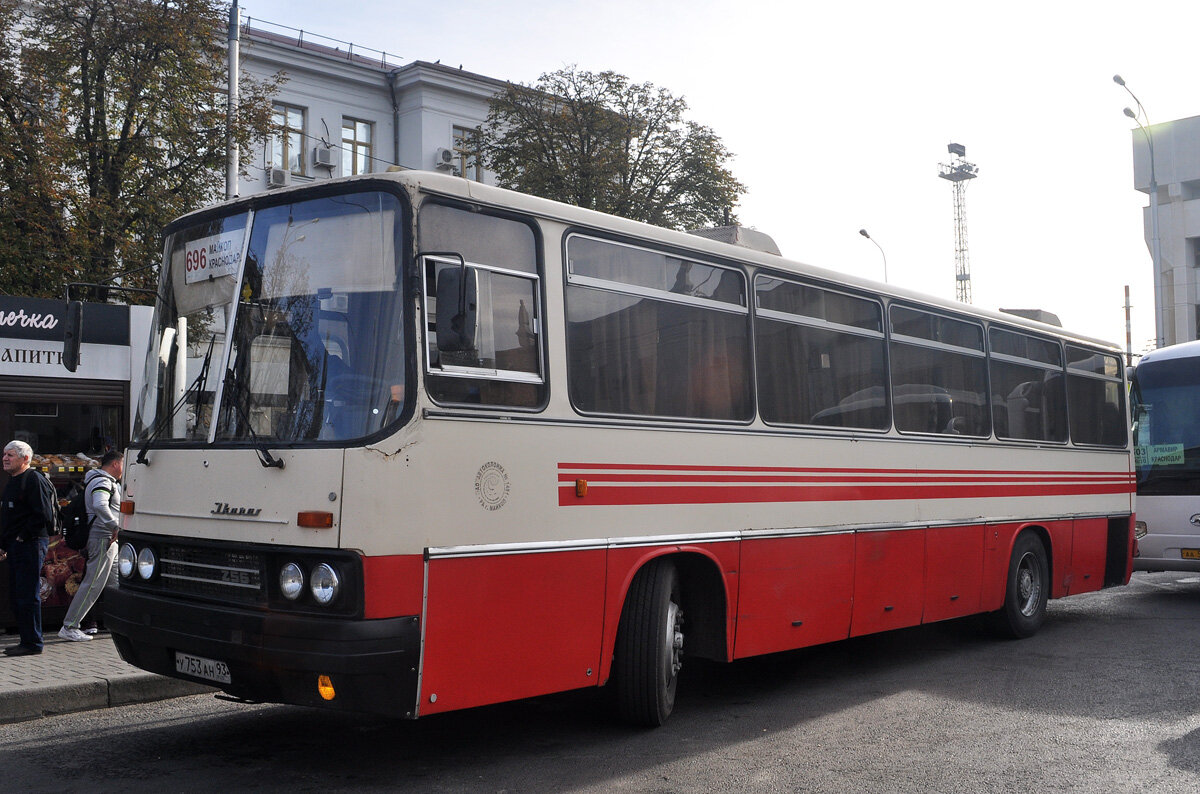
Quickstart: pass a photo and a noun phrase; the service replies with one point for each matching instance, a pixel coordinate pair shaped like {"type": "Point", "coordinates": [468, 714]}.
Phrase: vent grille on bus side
{"type": "Point", "coordinates": [222, 574]}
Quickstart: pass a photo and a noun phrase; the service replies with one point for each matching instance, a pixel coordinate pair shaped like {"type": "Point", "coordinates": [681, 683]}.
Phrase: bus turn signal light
{"type": "Point", "coordinates": [581, 488]}
{"type": "Point", "coordinates": [127, 507]}
{"type": "Point", "coordinates": [325, 687]}
{"type": "Point", "coordinates": [314, 519]}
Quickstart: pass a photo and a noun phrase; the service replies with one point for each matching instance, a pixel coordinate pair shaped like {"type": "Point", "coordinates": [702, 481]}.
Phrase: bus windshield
{"type": "Point", "coordinates": [281, 325]}
{"type": "Point", "coordinates": [1166, 426]}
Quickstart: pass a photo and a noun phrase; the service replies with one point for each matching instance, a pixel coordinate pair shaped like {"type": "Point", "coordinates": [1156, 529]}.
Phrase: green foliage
{"type": "Point", "coordinates": [112, 122]}
{"type": "Point", "coordinates": [602, 142]}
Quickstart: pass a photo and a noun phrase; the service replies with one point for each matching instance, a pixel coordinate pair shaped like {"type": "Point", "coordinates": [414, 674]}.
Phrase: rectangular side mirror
{"type": "Point", "coordinates": [457, 306]}
{"type": "Point", "coordinates": [72, 329]}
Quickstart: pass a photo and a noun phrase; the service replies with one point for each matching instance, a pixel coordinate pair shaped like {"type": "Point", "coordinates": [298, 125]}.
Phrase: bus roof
{"type": "Point", "coordinates": [1182, 350]}
{"type": "Point", "coordinates": [448, 185]}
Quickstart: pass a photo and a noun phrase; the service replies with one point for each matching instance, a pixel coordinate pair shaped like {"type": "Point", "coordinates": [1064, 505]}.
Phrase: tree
{"type": "Point", "coordinates": [602, 142]}
{"type": "Point", "coordinates": [112, 122]}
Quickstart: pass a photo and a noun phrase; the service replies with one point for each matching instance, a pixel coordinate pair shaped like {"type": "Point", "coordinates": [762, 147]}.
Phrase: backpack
{"type": "Point", "coordinates": [75, 522]}
{"type": "Point", "coordinates": [49, 491]}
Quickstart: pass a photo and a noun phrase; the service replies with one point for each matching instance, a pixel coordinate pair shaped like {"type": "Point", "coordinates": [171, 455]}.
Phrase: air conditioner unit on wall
{"type": "Point", "coordinates": [278, 177]}
{"type": "Point", "coordinates": [443, 159]}
{"type": "Point", "coordinates": [325, 157]}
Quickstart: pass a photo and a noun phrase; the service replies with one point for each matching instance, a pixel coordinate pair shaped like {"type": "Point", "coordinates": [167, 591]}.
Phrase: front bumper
{"type": "Point", "coordinates": [274, 657]}
{"type": "Point", "coordinates": [1163, 552]}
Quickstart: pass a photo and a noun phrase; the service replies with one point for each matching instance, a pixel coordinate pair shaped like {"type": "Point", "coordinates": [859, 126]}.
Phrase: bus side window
{"type": "Point", "coordinates": [482, 309]}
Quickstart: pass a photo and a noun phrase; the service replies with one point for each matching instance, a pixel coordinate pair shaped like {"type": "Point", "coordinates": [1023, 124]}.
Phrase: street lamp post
{"type": "Point", "coordinates": [863, 232]}
{"type": "Point", "coordinates": [1155, 246]}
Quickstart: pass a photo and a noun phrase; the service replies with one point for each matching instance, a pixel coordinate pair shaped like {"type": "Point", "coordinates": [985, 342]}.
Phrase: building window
{"type": "Point", "coordinates": [285, 147]}
{"type": "Point", "coordinates": [356, 147]}
{"type": "Point", "coordinates": [466, 153]}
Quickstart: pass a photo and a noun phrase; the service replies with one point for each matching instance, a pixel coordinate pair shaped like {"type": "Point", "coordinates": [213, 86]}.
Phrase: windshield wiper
{"type": "Point", "coordinates": [265, 457]}
{"type": "Point", "coordinates": [197, 386]}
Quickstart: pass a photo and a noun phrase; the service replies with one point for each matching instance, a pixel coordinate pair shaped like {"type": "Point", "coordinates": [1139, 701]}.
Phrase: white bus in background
{"type": "Point", "coordinates": [412, 444]}
{"type": "Point", "coordinates": [1165, 403]}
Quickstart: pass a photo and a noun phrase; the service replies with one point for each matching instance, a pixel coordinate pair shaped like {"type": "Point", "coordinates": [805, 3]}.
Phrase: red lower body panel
{"type": "Point", "coordinates": [795, 592]}
{"type": "Point", "coordinates": [505, 626]}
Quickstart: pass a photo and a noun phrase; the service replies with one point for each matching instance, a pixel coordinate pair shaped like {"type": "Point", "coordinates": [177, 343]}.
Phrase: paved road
{"type": "Point", "coordinates": [1105, 698]}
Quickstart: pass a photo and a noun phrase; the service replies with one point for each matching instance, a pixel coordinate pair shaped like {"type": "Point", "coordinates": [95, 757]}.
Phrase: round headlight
{"type": "Point", "coordinates": [146, 563]}
{"type": "Point", "coordinates": [325, 584]}
{"type": "Point", "coordinates": [291, 581]}
{"type": "Point", "coordinates": [126, 559]}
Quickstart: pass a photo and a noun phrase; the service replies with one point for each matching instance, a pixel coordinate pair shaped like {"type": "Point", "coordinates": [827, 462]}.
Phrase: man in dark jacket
{"type": "Point", "coordinates": [26, 520]}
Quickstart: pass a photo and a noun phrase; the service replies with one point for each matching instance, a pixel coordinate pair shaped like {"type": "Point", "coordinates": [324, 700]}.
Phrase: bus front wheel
{"type": "Point", "coordinates": [1027, 591]}
{"type": "Point", "coordinates": [649, 648]}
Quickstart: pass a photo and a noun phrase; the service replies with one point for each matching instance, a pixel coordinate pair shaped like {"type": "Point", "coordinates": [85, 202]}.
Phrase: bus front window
{"type": "Point", "coordinates": [190, 325]}
{"type": "Point", "coordinates": [1166, 426]}
{"type": "Point", "coordinates": [317, 351]}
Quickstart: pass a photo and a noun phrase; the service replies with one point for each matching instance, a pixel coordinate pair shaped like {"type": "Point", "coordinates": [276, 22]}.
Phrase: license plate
{"type": "Point", "coordinates": [1191, 554]}
{"type": "Point", "coordinates": [199, 667]}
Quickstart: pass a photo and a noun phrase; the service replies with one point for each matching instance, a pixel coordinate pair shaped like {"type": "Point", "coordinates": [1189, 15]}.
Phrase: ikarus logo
{"type": "Point", "coordinates": [224, 509]}
{"type": "Point", "coordinates": [1195, 520]}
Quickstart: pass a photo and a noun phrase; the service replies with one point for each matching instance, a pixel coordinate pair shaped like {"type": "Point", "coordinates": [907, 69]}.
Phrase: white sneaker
{"type": "Point", "coordinates": [74, 635]}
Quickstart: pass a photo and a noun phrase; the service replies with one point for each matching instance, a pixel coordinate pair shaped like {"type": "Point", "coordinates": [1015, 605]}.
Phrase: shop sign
{"type": "Point", "coordinates": [41, 318]}
{"type": "Point", "coordinates": [33, 358]}
{"type": "Point", "coordinates": [25, 355]}
{"type": "Point", "coordinates": [20, 318]}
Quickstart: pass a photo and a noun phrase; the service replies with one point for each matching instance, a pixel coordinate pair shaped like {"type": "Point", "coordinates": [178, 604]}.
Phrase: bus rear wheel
{"type": "Point", "coordinates": [649, 649]}
{"type": "Point", "coordinates": [1028, 589]}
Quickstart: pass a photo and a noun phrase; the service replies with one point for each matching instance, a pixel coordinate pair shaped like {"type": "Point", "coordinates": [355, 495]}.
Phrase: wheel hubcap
{"type": "Point", "coordinates": [1029, 584]}
{"type": "Point", "coordinates": [674, 639]}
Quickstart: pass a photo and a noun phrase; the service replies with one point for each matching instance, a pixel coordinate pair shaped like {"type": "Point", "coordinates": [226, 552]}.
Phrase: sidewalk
{"type": "Point", "coordinates": [77, 676]}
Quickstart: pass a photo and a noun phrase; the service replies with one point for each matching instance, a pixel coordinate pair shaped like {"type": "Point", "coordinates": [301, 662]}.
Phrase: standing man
{"type": "Point", "coordinates": [26, 520]}
{"type": "Point", "coordinates": [102, 497]}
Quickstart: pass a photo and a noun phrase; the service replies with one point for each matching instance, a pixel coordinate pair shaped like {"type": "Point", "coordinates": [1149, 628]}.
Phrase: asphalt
{"type": "Point", "coordinates": [77, 676]}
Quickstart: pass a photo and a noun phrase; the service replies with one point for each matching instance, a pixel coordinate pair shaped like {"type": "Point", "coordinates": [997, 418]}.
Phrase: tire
{"type": "Point", "coordinates": [1027, 592]}
{"type": "Point", "coordinates": [649, 649]}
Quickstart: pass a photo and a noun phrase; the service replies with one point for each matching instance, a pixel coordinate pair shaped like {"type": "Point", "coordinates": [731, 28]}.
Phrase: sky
{"type": "Point", "coordinates": [839, 114]}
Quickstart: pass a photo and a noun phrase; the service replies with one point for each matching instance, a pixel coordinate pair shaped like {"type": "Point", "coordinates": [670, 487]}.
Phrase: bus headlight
{"type": "Point", "coordinates": [126, 560]}
{"type": "Point", "coordinates": [325, 584]}
{"type": "Point", "coordinates": [291, 581]}
{"type": "Point", "coordinates": [1139, 529]}
{"type": "Point", "coordinates": [147, 562]}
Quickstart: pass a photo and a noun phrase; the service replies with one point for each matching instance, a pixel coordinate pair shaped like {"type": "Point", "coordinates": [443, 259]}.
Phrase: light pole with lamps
{"type": "Point", "coordinates": [1155, 246]}
{"type": "Point", "coordinates": [863, 232]}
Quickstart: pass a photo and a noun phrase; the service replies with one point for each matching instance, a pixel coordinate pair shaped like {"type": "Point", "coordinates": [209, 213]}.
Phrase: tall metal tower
{"type": "Point", "coordinates": [959, 171]}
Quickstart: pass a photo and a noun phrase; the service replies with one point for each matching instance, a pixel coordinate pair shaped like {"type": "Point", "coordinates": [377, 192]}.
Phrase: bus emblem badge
{"type": "Point", "coordinates": [1195, 520]}
{"type": "Point", "coordinates": [491, 486]}
{"type": "Point", "coordinates": [223, 509]}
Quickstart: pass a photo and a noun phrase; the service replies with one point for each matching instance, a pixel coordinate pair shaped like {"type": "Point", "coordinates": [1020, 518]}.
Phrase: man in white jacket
{"type": "Point", "coordinates": [102, 496]}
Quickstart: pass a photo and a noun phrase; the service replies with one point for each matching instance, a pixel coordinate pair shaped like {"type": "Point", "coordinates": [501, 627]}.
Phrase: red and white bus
{"type": "Point", "coordinates": [411, 444]}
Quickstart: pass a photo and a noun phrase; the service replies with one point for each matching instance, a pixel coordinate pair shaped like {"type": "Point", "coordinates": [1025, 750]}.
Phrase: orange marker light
{"type": "Point", "coordinates": [581, 488]}
{"type": "Point", "coordinates": [325, 687]}
{"type": "Point", "coordinates": [314, 519]}
{"type": "Point", "coordinates": [127, 507]}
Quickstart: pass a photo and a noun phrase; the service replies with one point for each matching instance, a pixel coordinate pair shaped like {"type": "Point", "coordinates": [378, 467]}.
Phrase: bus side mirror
{"type": "Point", "coordinates": [72, 328]}
{"type": "Point", "coordinates": [457, 303]}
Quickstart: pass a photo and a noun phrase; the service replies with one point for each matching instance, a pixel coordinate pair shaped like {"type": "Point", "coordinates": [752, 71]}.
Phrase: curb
{"type": "Point", "coordinates": [44, 701]}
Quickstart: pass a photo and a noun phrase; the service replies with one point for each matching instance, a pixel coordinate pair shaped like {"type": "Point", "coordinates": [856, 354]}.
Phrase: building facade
{"type": "Point", "coordinates": [1175, 168]}
{"type": "Point", "coordinates": [346, 110]}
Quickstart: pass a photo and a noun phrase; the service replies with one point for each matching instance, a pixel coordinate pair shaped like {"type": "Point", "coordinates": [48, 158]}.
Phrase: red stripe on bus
{"type": "Point", "coordinates": [575, 468]}
{"type": "Point", "coordinates": [910, 478]}
{"type": "Point", "coordinates": [667, 495]}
